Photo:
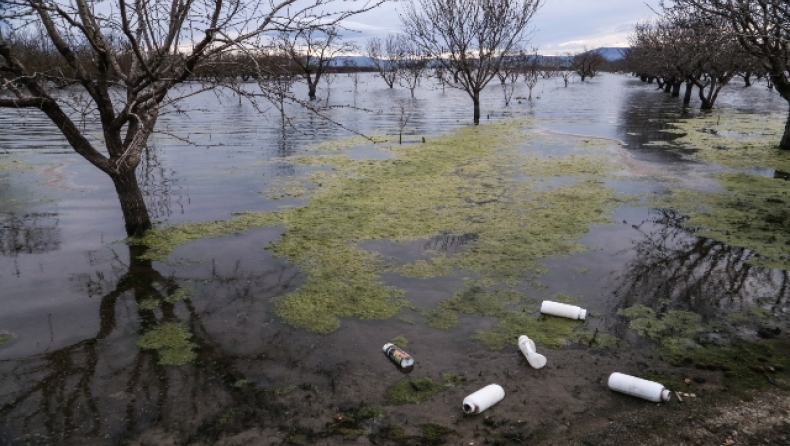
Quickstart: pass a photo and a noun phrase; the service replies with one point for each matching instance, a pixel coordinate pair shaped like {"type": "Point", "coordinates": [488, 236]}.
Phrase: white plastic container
{"type": "Point", "coordinates": [483, 398]}
{"type": "Point", "coordinates": [563, 310]}
{"type": "Point", "coordinates": [527, 347]}
{"type": "Point", "coordinates": [638, 387]}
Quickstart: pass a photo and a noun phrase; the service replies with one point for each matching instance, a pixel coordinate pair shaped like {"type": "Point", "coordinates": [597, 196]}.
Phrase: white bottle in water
{"type": "Point", "coordinates": [638, 387]}
{"type": "Point", "coordinates": [527, 347]}
{"type": "Point", "coordinates": [563, 310]}
{"type": "Point", "coordinates": [483, 398]}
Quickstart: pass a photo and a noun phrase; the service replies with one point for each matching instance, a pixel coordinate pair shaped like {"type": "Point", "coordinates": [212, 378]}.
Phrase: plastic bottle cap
{"type": "Point", "coordinates": [386, 346]}
{"type": "Point", "coordinates": [582, 314]}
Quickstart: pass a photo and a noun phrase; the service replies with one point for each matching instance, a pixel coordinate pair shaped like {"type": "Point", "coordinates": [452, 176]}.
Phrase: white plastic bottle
{"type": "Point", "coordinates": [638, 387]}
{"type": "Point", "coordinates": [527, 347]}
{"type": "Point", "coordinates": [563, 310]}
{"type": "Point", "coordinates": [483, 398]}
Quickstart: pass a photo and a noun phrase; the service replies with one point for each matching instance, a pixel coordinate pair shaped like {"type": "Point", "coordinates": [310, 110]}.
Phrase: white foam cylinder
{"type": "Point", "coordinates": [527, 347]}
{"type": "Point", "coordinates": [483, 398]}
{"type": "Point", "coordinates": [638, 387]}
{"type": "Point", "coordinates": [563, 310]}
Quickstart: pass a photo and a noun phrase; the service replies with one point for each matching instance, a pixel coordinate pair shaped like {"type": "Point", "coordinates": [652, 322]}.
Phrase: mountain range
{"type": "Point", "coordinates": [611, 54]}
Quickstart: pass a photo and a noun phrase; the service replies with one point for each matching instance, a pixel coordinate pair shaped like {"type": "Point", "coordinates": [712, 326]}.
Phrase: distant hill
{"type": "Point", "coordinates": [356, 61]}
{"type": "Point", "coordinates": [611, 54]}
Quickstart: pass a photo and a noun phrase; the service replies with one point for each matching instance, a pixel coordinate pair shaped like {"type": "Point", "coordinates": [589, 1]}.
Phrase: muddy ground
{"type": "Point", "coordinates": [340, 396]}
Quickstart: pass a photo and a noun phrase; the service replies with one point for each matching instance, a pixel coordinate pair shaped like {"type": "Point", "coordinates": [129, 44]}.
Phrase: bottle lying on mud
{"type": "Point", "coordinates": [398, 356]}
{"type": "Point", "coordinates": [563, 310]}
{"type": "Point", "coordinates": [527, 347]}
{"type": "Point", "coordinates": [483, 398]}
{"type": "Point", "coordinates": [638, 387]}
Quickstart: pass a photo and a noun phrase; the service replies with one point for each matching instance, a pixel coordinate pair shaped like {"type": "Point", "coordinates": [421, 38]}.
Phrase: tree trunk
{"type": "Point", "coordinates": [707, 104]}
{"type": "Point", "coordinates": [676, 88]}
{"type": "Point", "coordinates": [689, 91]}
{"type": "Point", "coordinates": [476, 101]}
{"type": "Point", "coordinates": [135, 213]}
{"type": "Point", "coordinates": [785, 143]}
{"type": "Point", "coordinates": [782, 85]}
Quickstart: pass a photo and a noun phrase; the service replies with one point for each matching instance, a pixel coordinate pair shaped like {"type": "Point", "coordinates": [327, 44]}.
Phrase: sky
{"type": "Point", "coordinates": [560, 26]}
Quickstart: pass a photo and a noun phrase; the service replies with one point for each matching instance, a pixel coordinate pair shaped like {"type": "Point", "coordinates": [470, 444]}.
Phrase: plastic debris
{"type": "Point", "coordinates": [638, 387]}
{"type": "Point", "coordinates": [527, 347]}
{"type": "Point", "coordinates": [563, 310]}
{"type": "Point", "coordinates": [483, 398]}
{"type": "Point", "coordinates": [398, 356]}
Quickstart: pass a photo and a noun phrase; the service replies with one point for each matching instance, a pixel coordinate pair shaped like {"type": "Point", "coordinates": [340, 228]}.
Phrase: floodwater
{"type": "Point", "coordinates": [73, 372]}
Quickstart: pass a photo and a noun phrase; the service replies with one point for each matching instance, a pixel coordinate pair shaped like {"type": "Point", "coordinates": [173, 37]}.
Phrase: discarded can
{"type": "Point", "coordinates": [483, 398]}
{"type": "Point", "coordinates": [398, 356]}
{"type": "Point", "coordinates": [563, 310]}
{"type": "Point", "coordinates": [638, 387]}
{"type": "Point", "coordinates": [527, 347]}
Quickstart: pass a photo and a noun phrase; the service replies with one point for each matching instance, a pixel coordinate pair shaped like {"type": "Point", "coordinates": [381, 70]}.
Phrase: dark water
{"type": "Point", "coordinates": [70, 286]}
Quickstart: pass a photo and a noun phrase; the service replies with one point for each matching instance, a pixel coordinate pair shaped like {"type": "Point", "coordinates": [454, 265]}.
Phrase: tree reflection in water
{"type": "Point", "coordinates": [674, 267]}
{"type": "Point", "coordinates": [33, 233]}
{"type": "Point", "coordinates": [106, 387]}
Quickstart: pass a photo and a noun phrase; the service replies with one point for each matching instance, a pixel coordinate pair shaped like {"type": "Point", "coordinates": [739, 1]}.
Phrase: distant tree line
{"type": "Point", "coordinates": [705, 44]}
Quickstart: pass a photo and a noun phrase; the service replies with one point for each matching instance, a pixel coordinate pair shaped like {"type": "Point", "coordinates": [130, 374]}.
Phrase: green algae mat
{"type": "Point", "coordinates": [516, 196]}
{"type": "Point", "coordinates": [490, 181]}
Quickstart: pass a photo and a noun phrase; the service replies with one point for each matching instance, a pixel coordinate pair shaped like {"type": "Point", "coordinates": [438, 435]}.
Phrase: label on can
{"type": "Point", "coordinates": [398, 356]}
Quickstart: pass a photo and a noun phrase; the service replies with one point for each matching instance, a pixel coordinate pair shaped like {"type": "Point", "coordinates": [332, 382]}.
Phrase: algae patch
{"type": "Point", "coordinates": [416, 390]}
{"type": "Point", "coordinates": [5, 338]}
{"type": "Point", "coordinates": [171, 341]}
{"type": "Point", "coordinates": [737, 140]}
{"type": "Point", "coordinates": [683, 339]}
{"type": "Point", "coordinates": [471, 181]}
{"type": "Point", "coordinates": [752, 212]}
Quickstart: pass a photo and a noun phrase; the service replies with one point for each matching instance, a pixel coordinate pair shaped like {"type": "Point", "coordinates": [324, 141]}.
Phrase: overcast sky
{"type": "Point", "coordinates": [561, 26]}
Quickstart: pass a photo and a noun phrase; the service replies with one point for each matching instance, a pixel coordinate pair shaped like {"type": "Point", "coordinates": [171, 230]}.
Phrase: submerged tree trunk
{"type": "Point", "coordinates": [784, 144]}
{"type": "Point", "coordinates": [476, 101]}
{"type": "Point", "coordinates": [676, 88]}
{"type": "Point", "coordinates": [782, 84]}
{"type": "Point", "coordinates": [135, 213]}
{"type": "Point", "coordinates": [689, 91]}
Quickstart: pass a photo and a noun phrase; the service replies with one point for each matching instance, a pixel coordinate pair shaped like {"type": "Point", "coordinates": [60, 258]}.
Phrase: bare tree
{"type": "Point", "coordinates": [469, 38]}
{"type": "Point", "coordinates": [761, 28]}
{"type": "Point", "coordinates": [587, 63]}
{"type": "Point", "coordinates": [384, 57]}
{"type": "Point", "coordinates": [508, 75]}
{"type": "Point", "coordinates": [530, 67]}
{"type": "Point", "coordinates": [683, 46]}
{"type": "Point", "coordinates": [125, 59]}
{"type": "Point", "coordinates": [410, 62]}
{"type": "Point", "coordinates": [312, 50]}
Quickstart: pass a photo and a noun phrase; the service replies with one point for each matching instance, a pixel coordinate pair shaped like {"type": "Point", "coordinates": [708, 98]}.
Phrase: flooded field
{"type": "Point", "coordinates": [287, 253]}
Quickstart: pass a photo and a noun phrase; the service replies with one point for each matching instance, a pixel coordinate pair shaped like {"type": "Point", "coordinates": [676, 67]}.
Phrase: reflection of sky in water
{"type": "Point", "coordinates": [70, 292]}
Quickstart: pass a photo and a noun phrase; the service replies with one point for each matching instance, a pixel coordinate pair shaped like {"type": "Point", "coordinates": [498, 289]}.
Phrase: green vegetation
{"type": "Point", "coordinates": [416, 390]}
{"type": "Point", "coordinates": [5, 338]}
{"type": "Point", "coordinates": [679, 336]}
{"type": "Point", "coordinates": [171, 341]}
{"type": "Point", "coordinates": [470, 181]}
{"type": "Point", "coordinates": [737, 140]}
{"type": "Point", "coordinates": [400, 341]}
{"type": "Point", "coordinates": [751, 211]}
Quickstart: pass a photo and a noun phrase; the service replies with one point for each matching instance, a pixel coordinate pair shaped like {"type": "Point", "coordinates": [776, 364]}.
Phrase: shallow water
{"type": "Point", "coordinates": [71, 288]}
